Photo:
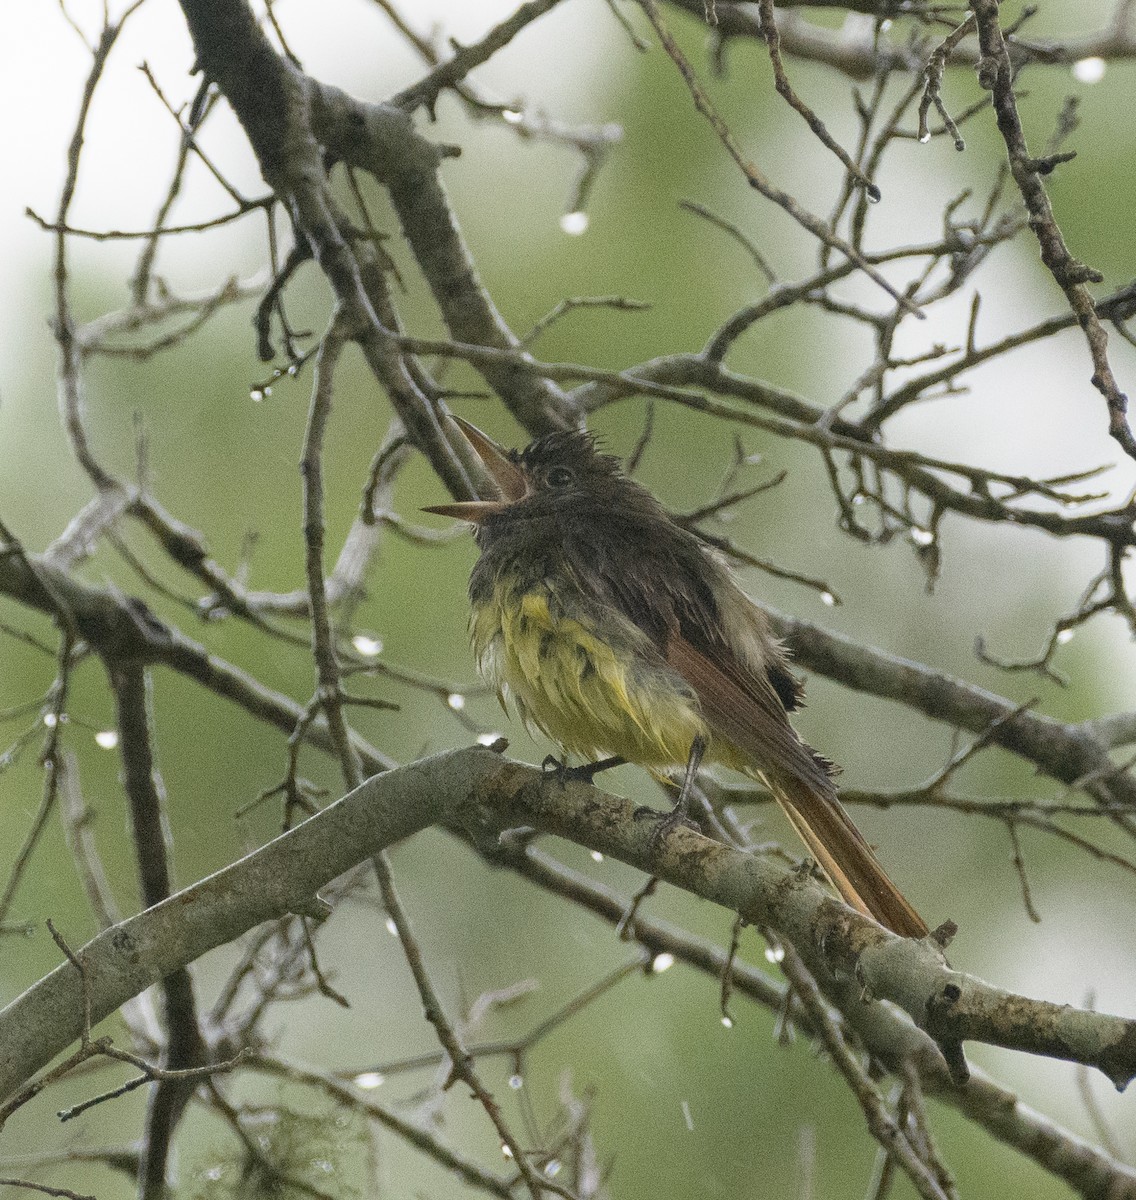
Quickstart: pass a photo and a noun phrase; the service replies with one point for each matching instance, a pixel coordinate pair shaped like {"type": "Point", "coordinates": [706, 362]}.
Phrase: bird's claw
{"type": "Point", "coordinates": [585, 773]}
{"type": "Point", "coordinates": [667, 822]}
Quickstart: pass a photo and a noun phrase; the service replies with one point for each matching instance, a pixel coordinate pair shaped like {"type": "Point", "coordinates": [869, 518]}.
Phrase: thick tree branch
{"type": "Point", "coordinates": [1069, 753]}
{"type": "Point", "coordinates": [854, 959]}
{"type": "Point", "coordinates": [279, 878]}
{"type": "Point", "coordinates": [123, 627]}
{"type": "Point", "coordinates": [855, 52]}
{"type": "Point", "coordinates": [889, 1039]}
{"type": "Point", "coordinates": [291, 121]}
{"type": "Point", "coordinates": [119, 626]}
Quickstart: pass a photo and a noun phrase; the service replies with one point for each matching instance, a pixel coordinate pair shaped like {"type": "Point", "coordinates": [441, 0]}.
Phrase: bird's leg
{"type": "Point", "coordinates": [680, 814]}
{"type": "Point", "coordinates": [693, 762]}
{"type": "Point", "coordinates": [585, 773]}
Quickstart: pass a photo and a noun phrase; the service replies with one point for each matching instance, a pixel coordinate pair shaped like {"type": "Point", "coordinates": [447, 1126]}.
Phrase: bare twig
{"type": "Point", "coordinates": [754, 177]}
{"type": "Point", "coordinates": [995, 72]}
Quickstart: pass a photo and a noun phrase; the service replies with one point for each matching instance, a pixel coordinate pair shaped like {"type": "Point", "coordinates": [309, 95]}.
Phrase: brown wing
{"type": "Point", "coordinates": [708, 631]}
{"type": "Point", "coordinates": [743, 708]}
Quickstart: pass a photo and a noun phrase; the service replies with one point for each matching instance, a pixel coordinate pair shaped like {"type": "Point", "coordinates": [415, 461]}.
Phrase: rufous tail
{"type": "Point", "coordinates": [845, 856]}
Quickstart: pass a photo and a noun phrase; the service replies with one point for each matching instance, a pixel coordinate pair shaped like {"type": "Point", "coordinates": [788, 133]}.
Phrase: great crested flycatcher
{"type": "Point", "coordinates": [617, 632]}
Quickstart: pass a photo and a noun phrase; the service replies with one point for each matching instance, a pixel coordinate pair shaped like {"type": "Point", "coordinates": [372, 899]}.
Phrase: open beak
{"type": "Point", "coordinates": [507, 477]}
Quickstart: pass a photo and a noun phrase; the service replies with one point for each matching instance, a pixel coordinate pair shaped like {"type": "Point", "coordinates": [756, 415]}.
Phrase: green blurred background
{"type": "Point", "coordinates": [683, 1107]}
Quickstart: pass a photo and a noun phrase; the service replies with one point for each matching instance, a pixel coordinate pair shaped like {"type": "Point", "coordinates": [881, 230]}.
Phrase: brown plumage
{"type": "Point", "coordinates": [617, 631]}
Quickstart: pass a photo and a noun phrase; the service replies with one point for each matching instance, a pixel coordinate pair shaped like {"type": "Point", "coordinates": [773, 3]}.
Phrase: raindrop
{"type": "Point", "coordinates": [256, 395]}
{"type": "Point", "coordinates": [727, 1022]}
{"type": "Point", "coordinates": [370, 1080]}
{"type": "Point", "coordinates": [686, 1116]}
{"type": "Point", "coordinates": [516, 1082]}
{"type": "Point", "coordinates": [487, 739]}
{"type": "Point", "coordinates": [873, 194]}
{"type": "Point", "coordinates": [456, 701]}
{"type": "Point", "coordinates": [50, 720]}
{"type": "Point", "coordinates": [511, 116]}
{"type": "Point", "coordinates": [925, 136]}
{"type": "Point", "coordinates": [597, 856]}
{"type": "Point", "coordinates": [775, 954]}
{"type": "Point", "coordinates": [106, 739]}
{"type": "Point", "coordinates": [392, 928]}
{"type": "Point", "coordinates": [574, 223]}
{"type": "Point", "coordinates": [1064, 636]}
{"type": "Point", "coordinates": [367, 645]}
{"type": "Point", "coordinates": [505, 1151]}
{"type": "Point", "coordinates": [553, 1167]}
{"type": "Point", "coordinates": [828, 598]}
{"type": "Point", "coordinates": [921, 537]}
{"type": "Point", "coordinates": [1089, 70]}
{"type": "Point", "coordinates": [662, 962]}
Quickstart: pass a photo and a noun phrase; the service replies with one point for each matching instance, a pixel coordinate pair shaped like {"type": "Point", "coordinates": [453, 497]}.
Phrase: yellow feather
{"type": "Point", "coordinates": [579, 689]}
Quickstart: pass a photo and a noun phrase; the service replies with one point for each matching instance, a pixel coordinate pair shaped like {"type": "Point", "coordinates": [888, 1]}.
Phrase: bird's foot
{"type": "Point", "coordinates": [667, 822]}
{"type": "Point", "coordinates": [680, 814]}
{"type": "Point", "coordinates": [584, 773]}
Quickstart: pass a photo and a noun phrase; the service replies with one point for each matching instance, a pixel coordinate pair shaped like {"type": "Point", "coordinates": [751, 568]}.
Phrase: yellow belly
{"type": "Point", "coordinates": [594, 697]}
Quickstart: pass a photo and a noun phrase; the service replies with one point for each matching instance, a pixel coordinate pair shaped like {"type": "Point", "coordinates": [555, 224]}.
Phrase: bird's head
{"type": "Point", "coordinates": [560, 475]}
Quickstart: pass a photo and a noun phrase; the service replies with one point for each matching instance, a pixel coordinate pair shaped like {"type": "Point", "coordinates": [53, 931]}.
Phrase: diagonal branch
{"type": "Point", "coordinates": [995, 72]}
{"type": "Point", "coordinates": [851, 956]}
{"type": "Point", "coordinates": [292, 122]}
{"type": "Point", "coordinates": [898, 1045]}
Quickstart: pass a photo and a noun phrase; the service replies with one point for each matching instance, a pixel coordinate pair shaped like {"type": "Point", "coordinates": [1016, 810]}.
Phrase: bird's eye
{"type": "Point", "coordinates": [560, 477]}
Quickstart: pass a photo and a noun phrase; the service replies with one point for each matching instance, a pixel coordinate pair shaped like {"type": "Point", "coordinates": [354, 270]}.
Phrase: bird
{"type": "Point", "coordinates": [624, 637]}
